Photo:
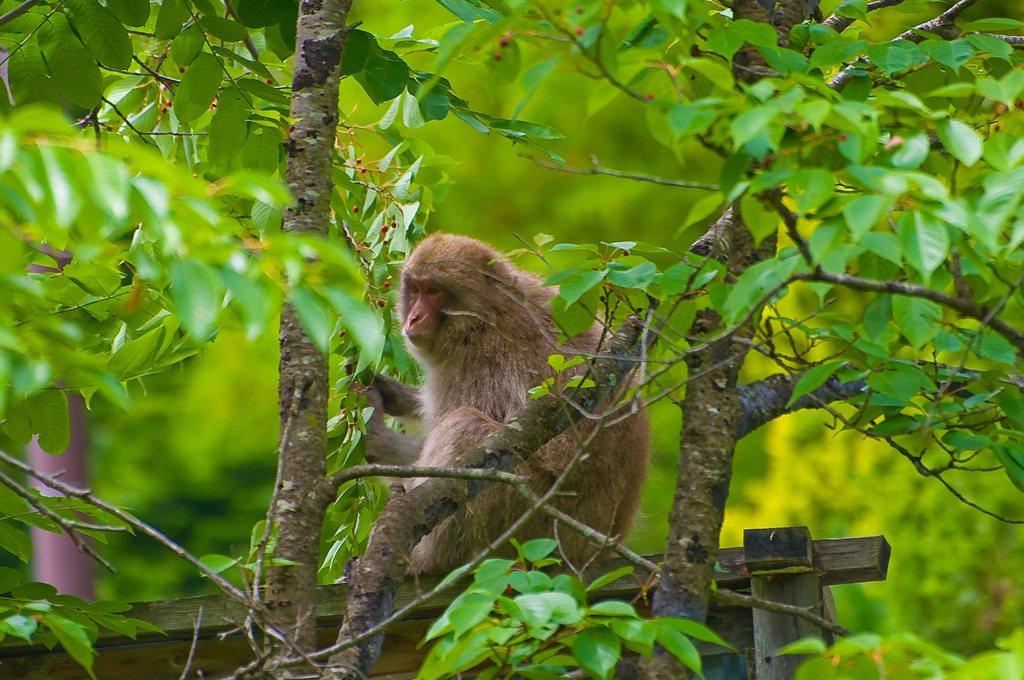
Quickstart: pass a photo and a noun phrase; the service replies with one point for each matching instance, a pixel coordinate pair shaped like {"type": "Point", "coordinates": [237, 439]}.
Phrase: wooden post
{"type": "Point", "coordinates": [780, 562]}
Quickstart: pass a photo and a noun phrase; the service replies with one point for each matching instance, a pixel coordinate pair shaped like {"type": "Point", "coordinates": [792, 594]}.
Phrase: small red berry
{"type": "Point", "coordinates": [392, 224]}
{"type": "Point", "coordinates": [497, 56]}
{"type": "Point", "coordinates": [270, 81]}
{"type": "Point", "coordinates": [363, 169]}
{"type": "Point", "coordinates": [579, 10]}
{"type": "Point", "coordinates": [504, 41]}
{"type": "Point", "coordinates": [649, 97]}
{"type": "Point", "coordinates": [355, 208]}
{"type": "Point", "coordinates": [381, 303]}
{"type": "Point", "coordinates": [341, 334]}
{"type": "Point", "coordinates": [843, 137]}
{"type": "Point", "coordinates": [579, 30]}
{"type": "Point", "coordinates": [384, 229]}
{"type": "Point", "coordinates": [163, 110]}
{"type": "Point", "coordinates": [625, 253]}
{"type": "Point", "coordinates": [387, 284]}
{"type": "Point", "coordinates": [181, 69]}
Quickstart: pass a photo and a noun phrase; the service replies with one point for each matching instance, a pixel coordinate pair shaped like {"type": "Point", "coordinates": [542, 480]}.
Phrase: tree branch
{"type": "Point", "coordinates": [840, 23]}
{"type": "Point", "coordinates": [730, 597]}
{"type": "Point", "coordinates": [965, 306]}
{"type": "Point", "coordinates": [765, 400]}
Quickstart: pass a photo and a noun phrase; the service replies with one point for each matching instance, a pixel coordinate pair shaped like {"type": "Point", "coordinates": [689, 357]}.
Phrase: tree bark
{"type": "Point", "coordinates": [303, 389]}
{"type": "Point", "coordinates": [712, 415]}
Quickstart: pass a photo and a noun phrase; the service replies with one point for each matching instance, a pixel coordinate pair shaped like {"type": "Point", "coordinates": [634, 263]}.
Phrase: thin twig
{"type": "Point", "coordinates": [598, 170]}
{"type": "Point", "coordinates": [18, 11]}
{"type": "Point", "coordinates": [729, 597]}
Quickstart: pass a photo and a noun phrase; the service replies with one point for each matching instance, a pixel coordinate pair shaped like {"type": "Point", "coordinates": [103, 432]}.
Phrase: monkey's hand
{"type": "Point", "coordinates": [384, 445]}
{"type": "Point", "coordinates": [396, 399]}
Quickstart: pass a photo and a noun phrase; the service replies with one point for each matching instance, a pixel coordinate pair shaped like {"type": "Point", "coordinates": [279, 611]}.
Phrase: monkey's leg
{"type": "Point", "coordinates": [463, 534]}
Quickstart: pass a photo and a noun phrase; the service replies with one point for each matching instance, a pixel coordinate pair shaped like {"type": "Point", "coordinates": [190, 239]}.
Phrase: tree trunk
{"type": "Point", "coordinates": [302, 394]}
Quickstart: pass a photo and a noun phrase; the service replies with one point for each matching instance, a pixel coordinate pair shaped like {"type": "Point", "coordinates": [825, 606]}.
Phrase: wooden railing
{"type": "Point", "coordinates": [782, 565]}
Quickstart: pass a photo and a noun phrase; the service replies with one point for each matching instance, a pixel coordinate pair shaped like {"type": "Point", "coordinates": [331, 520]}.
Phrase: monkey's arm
{"type": "Point", "coordinates": [397, 399]}
{"type": "Point", "coordinates": [384, 445]}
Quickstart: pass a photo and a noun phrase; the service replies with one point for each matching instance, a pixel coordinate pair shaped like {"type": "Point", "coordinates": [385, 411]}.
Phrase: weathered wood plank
{"type": "Point", "coordinates": [155, 657]}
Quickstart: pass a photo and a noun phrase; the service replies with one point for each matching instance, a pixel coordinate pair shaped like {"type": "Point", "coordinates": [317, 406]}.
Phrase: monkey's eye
{"type": "Point", "coordinates": [433, 290]}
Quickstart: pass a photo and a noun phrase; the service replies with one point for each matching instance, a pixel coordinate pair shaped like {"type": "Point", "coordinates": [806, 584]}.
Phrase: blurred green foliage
{"type": "Point", "coordinates": [195, 453]}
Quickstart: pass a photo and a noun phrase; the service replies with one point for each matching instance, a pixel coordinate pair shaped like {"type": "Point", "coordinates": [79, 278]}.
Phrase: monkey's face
{"type": "Point", "coordinates": [424, 299]}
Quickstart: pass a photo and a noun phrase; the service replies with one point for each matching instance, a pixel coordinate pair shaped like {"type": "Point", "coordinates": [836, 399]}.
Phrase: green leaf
{"type": "Point", "coordinates": [919, 319]}
{"type": "Point", "coordinates": [812, 379]}
{"type": "Point", "coordinates": [597, 649]}
{"type": "Point", "coordinates": [811, 188]}
{"type": "Point", "coordinates": [877, 316]}
{"type": "Point", "coordinates": [639, 277]}
{"type": "Point", "coordinates": [249, 297]}
{"type": "Point", "coordinates": [227, 128]}
{"type": "Point", "coordinates": [693, 629]}
{"type": "Point", "coordinates": [48, 411]}
{"type": "Point", "coordinates": [135, 357]}
{"type": "Point", "coordinates": [260, 13]}
{"type": "Point", "coordinates": [951, 53]}
{"type": "Point", "coordinates": [130, 12]}
{"type": "Point", "coordinates": [911, 153]}
{"type": "Point", "coordinates": [196, 294]}
{"type": "Point", "coordinates": [471, 610]}
{"type": "Point", "coordinates": [312, 313]}
{"type": "Point", "coordinates": [853, 9]}
{"type": "Point", "coordinates": [1012, 460]}
{"type": "Point", "coordinates": [366, 327]}
{"type": "Point", "coordinates": [20, 626]}
{"type": "Point", "coordinates": [29, 77]}
{"type": "Point", "coordinates": [925, 241]}
{"type": "Point", "coordinates": [613, 608]}
{"type": "Point", "coordinates": [358, 46]}
{"type": "Point", "coordinates": [218, 563]}
{"type": "Point", "coordinates": [72, 68]}
{"type": "Point", "coordinates": [864, 212]}
{"type": "Point", "coordinates": [187, 45]}
{"type": "Point", "coordinates": [679, 646]}
{"type": "Point", "coordinates": [750, 123]}
{"type": "Point", "coordinates": [610, 577]}
{"type": "Point", "coordinates": [224, 29]}
{"type": "Point", "coordinates": [15, 541]}
{"type": "Point", "coordinates": [961, 141]}
{"type": "Point", "coordinates": [198, 87]}
{"type": "Point", "coordinates": [384, 76]}
{"type": "Point", "coordinates": [73, 638]}
{"type": "Point", "coordinates": [538, 548]}
{"type": "Point", "coordinates": [170, 18]}
{"type": "Point", "coordinates": [572, 289]}
{"type": "Point", "coordinates": [104, 36]}
{"type": "Point", "coordinates": [807, 645]}
{"type": "Point", "coordinates": [262, 149]}
{"type": "Point", "coordinates": [263, 90]}
{"type": "Point", "coordinates": [892, 57]}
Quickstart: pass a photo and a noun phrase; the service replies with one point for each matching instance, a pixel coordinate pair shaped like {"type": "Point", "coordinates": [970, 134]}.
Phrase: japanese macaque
{"type": "Point", "coordinates": [483, 331]}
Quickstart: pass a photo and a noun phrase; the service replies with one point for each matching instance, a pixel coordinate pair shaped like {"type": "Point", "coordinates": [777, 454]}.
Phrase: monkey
{"type": "Point", "coordinates": [482, 330]}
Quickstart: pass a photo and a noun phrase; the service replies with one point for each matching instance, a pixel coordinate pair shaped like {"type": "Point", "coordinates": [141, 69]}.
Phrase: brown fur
{"type": "Point", "coordinates": [488, 347]}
